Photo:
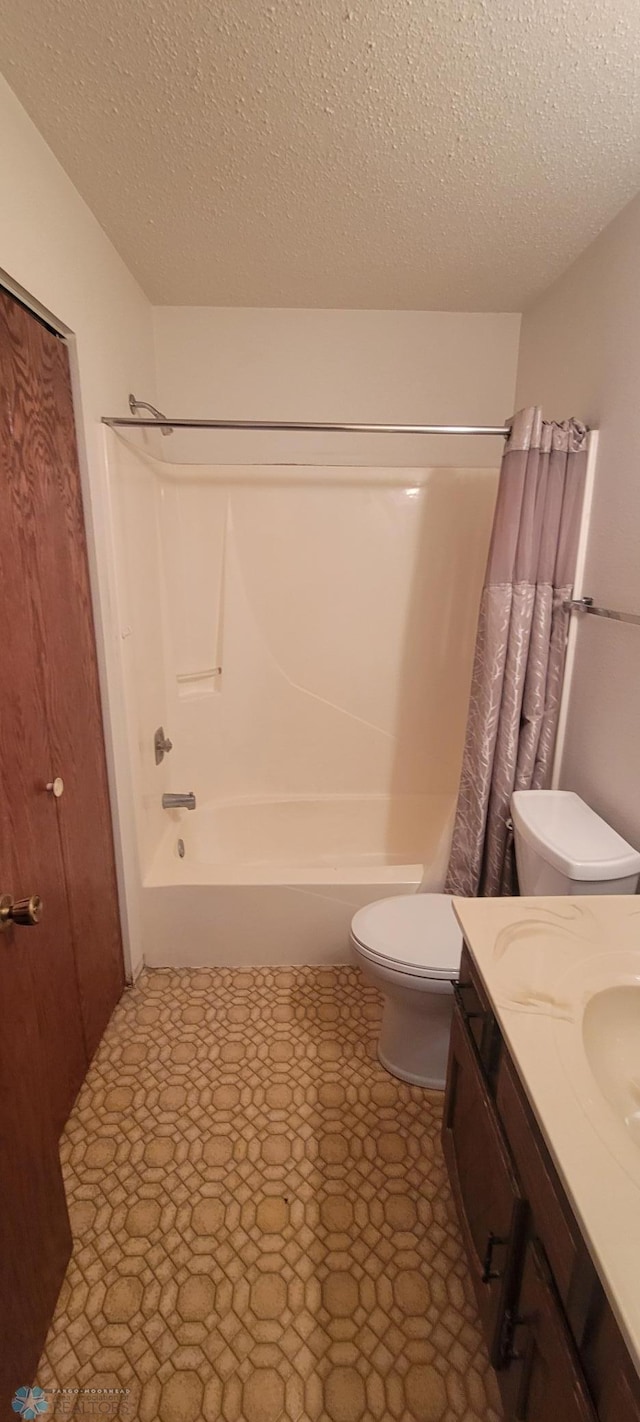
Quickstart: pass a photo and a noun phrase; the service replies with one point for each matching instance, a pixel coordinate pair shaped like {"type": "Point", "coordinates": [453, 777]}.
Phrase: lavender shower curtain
{"type": "Point", "coordinates": [520, 646]}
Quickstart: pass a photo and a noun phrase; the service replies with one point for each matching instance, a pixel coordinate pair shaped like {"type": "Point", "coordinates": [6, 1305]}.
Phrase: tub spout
{"type": "Point", "coordinates": [179, 802]}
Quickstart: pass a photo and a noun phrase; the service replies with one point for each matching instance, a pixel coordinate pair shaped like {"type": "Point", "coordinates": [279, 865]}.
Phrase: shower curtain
{"type": "Point", "coordinates": [520, 646]}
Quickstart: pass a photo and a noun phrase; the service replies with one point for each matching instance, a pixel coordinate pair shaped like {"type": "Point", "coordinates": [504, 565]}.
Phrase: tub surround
{"type": "Point", "coordinates": [292, 628]}
{"type": "Point", "coordinates": [552, 968]}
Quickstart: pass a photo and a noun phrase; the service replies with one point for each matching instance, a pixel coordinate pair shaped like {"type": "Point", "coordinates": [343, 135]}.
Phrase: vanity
{"type": "Point", "coordinates": [541, 1136]}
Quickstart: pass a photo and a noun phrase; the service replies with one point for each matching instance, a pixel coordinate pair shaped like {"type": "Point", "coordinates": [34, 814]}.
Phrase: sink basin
{"type": "Point", "coordinates": [598, 1042]}
{"type": "Point", "coordinates": [611, 1038]}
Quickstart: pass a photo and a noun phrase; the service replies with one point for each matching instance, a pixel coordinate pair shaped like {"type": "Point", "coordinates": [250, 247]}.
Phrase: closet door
{"type": "Point", "coordinates": [42, 1052]}
{"type": "Point", "coordinates": [71, 704]}
{"type": "Point", "coordinates": [31, 855]}
{"type": "Point", "coordinates": [61, 975]}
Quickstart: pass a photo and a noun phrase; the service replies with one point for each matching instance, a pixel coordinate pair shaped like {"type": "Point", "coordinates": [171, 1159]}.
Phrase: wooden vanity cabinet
{"type": "Point", "coordinates": [549, 1328]}
{"type": "Point", "coordinates": [474, 1008]}
{"type": "Point", "coordinates": [486, 1191]}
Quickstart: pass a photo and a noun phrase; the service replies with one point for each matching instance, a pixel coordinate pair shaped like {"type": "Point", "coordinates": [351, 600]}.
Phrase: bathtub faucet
{"type": "Point", "coordinates": [179, 802]}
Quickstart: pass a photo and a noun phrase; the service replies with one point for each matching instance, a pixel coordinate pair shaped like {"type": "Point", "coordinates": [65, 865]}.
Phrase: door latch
{"type": "Point", "coordinates": [24, 912]}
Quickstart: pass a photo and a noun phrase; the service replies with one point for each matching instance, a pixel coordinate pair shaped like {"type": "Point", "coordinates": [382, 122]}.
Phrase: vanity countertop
{"type": "Point", "coordinates": [563, 976]}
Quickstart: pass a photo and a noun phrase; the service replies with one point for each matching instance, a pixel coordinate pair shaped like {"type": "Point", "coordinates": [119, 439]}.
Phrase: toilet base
{"type": "Point", "coordinates": [414, 1040]}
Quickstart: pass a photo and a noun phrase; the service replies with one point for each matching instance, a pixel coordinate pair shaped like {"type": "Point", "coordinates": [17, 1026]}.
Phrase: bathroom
{"type": "Point", "coordinates": [289, 277]}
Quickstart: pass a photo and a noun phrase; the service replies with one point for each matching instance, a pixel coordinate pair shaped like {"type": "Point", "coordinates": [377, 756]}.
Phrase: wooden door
{"type": "Point", "coordinates": [35, 1236]}
{"type": "Point", "coordinates": [31, 852]}
{"type": "Point", "coordinates": [42, 1053]}
{"type": "Point", "coordinates": [45, 469]}
{"type": "Point", "coordinates": [490, 1206]}
{"type": "Point", "coordinates": [55, 988]}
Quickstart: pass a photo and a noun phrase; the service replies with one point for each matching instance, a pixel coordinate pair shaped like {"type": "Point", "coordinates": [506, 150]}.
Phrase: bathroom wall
{"type": "Point", "coordinates": [580, 354]}
{"type": "Point", "coordinates": [300, 631]}
{"type": "Point", "coordinates": [52, 247]}
{"type": "Point", "coordinates": [318, 364]}
{"type": "Point", "coordinates": [430, 367]}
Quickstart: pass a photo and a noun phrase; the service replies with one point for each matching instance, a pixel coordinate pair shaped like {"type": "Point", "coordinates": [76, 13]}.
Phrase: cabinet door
{"type": "Point", "coordinates": [613, 1381]}
{"type": "Point", "coordinates": [476, 1011]}
{"type": "Point", "coordinates": [624, 1403]}
{"type": "Point", "coordinates": [553, 1222]}
{"type": "Point", "coordinates": [545, 1380]}
{"type": "Point", "coordinates": [490, 1205]}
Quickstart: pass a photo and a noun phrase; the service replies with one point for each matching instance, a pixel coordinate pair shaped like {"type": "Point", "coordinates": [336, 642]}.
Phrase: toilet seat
{"type": "Point", "coordinates": [416, 934]}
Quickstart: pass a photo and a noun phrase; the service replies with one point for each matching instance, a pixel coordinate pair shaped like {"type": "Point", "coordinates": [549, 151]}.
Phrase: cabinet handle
{"type": "Point", "coordinates": [522, 1400]}
{"type": "Point", "coordinates": [487, 1272]}
{"type": "Point", "coordinates": [511, 1322]}
{"type": "Point", "coordinates": [458, 989]}
{"type": "Point", "coordinates": [517, 1355]}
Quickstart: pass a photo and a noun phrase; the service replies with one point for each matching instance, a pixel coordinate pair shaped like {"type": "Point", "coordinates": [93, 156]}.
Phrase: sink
{"type": "Point", "coordinates": [611, 1038]}
{"type": "Point", "coordinates": [598, 1041]}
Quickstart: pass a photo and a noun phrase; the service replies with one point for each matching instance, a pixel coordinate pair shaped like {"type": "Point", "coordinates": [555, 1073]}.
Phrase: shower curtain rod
{"type": "Point", "coordinates": [318, 427]}
{"type": "Point", "coordinates": [156, 419]}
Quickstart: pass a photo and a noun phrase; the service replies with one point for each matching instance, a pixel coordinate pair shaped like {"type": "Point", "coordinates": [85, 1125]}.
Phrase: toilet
{"type": "Point", "coordinates": [409, 947]}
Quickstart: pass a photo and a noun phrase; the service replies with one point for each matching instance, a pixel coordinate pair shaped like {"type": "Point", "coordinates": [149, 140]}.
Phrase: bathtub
{"type": "Point", "coordinates": [277, 880]}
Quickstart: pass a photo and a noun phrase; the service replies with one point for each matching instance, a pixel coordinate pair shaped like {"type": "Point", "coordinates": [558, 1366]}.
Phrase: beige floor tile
{"type": "Point", "coordinates": [262, 1220]}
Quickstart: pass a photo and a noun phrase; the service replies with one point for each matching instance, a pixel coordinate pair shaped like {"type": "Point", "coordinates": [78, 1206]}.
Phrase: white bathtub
{"type": "Point", "coordinates": [278, 880]}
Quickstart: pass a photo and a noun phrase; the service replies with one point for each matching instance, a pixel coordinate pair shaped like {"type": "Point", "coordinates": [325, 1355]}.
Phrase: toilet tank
{"type": "Point", "coordinates": [563, 847]}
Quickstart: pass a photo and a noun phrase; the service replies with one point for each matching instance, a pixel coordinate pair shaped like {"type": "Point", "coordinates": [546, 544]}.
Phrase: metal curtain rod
{"type": "Point", "coordinates": [159, 421]}
{"type": "Point", "coordinates": [586, 604]}
{"type": "Point", "coordinates": [309, 425]}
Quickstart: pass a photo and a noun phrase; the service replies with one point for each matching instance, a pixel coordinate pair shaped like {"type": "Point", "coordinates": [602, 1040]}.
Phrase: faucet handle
{"type": "Point", "coordinates": [161, 744]}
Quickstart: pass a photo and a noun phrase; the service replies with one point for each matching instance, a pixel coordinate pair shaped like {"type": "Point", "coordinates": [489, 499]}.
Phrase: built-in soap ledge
{"type": "Point", "coordinates": [196, 682]}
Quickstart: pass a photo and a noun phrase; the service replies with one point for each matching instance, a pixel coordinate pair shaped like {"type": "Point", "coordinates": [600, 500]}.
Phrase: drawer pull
{"type": "Point", "coordinates": [522, 1400]}
{"type": "Point", "coordinates": [511, 1322]}
{"type": "Point", "coordinates": [487, 1272]}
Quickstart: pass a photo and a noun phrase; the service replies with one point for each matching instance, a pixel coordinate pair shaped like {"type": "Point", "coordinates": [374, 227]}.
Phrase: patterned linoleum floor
{"type": "Point", "coordinates": [262, 1222]}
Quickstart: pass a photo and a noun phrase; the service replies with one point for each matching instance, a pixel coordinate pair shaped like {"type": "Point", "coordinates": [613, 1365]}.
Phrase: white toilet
{"type": "Point", "coordinates": [409, 947]}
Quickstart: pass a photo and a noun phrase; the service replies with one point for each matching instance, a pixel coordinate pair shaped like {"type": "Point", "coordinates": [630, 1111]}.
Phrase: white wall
{"type": "Point", "coordinates": [409, 367]}
{"type": "Point", "coordinates": [52, 247]}
{"type": "Point", "coordinates": [580, 355]}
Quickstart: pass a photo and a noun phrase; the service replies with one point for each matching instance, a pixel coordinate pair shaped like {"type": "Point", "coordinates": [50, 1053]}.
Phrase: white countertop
{"type": "Point", "coordinates": [541, 959]}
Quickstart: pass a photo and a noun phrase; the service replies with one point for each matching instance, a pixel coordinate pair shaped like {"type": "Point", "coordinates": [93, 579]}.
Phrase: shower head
{"type": "Point", "coordinates": [135, 405]}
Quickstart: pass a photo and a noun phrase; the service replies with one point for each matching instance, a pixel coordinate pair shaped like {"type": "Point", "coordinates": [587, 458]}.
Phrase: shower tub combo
{"type": "Point", "coordinates": [279, 880]}
{"type": "Point", "coordinates": [305, 635]}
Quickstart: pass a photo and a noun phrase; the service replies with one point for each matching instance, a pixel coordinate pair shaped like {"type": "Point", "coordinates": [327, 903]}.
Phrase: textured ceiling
{"type": "Point", "coordinates": [451, 154]}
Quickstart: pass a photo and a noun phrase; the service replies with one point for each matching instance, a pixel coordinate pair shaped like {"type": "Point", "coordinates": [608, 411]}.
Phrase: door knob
{"type": "Point", "coordinates": [22, 911]}
{"type": "Point", "coordinates": [55, 787]}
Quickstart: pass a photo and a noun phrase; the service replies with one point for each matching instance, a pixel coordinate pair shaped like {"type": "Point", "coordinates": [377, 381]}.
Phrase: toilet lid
{"type": "Point", "coordinates": [414, 932]}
